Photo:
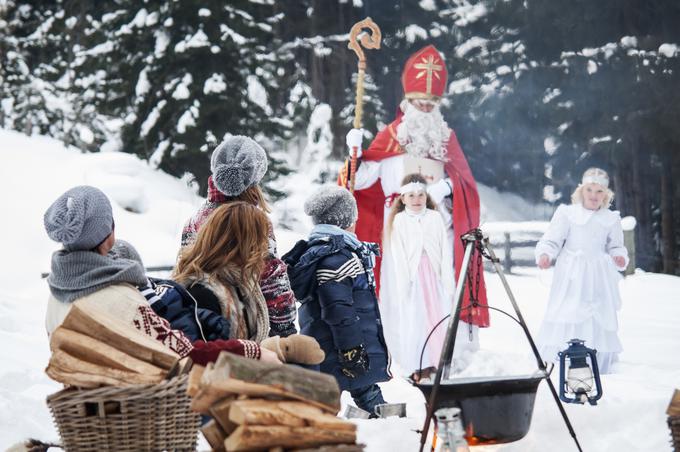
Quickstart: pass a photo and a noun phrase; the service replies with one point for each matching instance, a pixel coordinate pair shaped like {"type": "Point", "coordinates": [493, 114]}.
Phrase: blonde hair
{"type": "Point", "coordinates": [399, 206]}
{"type": "Point", "coordinates": [235, 234]}
{"type": "Point", "coordinates": [577, 196]}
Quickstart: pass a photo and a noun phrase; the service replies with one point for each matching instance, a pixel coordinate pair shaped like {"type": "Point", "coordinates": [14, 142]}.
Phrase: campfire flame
{"type": "Point", "coordinates": [473, 440]}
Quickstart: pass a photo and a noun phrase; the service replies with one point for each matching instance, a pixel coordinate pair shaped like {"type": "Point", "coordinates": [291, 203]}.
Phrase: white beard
{"type": "Point", "coordinates": [423, 134]}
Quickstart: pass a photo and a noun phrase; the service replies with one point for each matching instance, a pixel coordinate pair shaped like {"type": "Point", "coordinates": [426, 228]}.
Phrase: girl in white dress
{"type": "Point", "coordinates": [421, 277]}
{"type": "Point", "coordinates": [585, 240]}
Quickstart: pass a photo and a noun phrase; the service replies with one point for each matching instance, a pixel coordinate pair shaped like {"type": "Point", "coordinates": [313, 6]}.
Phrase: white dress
{"type": "Point", "coordinates": [584, 296]}
{"type": "Point", "coordinates": [419, 288]}
{"type": "Point", "coordinates": [390, 172]}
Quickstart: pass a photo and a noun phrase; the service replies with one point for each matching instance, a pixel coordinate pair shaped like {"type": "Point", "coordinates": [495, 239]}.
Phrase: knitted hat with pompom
{"type": "Point", "coordinates": [332, 204]}
{"type": "Point", "coordinates": [80, 219]}
{"type": "Point", "coordinates": [236, 164]}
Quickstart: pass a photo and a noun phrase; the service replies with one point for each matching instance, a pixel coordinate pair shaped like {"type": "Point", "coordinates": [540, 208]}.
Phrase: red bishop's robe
{"type": "Point", "coordinates": [371, 205]}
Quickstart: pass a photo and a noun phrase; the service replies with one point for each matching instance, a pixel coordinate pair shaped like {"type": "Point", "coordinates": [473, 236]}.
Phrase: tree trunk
{"type": "Point", "coordinates": [667, 230]}
{"type": "Point", "coordinates": [643, 205]}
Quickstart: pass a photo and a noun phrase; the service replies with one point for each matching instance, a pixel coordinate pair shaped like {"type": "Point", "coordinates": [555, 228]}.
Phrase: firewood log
{"type": "Point", "coordinates": [220, 412]}
{"type": "Point", "coordinates": [293, 414]}
{"type": "Point", "coordinates": [262, 412]}
{"type": "Point", "coordinates": [86, 318]}
{"type": "Point", "coordinates": [70, 370]}
{"type": "Point", "coordinates": [193, 385]}
{"type": "Point", "coordinates": [257, 437]}
{"type": "Point", "coordinates": [674, 406]}
{"type": "Point", "coordinates": [333, 448]}
{"type": "Point", "coordinates": [214, 435]}
{"type": "Point", "coordinates": [97, 352]}
{"type": "Point", "coordinates": [235, 374]}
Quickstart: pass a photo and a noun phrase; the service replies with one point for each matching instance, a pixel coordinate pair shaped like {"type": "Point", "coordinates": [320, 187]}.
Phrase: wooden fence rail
{"type": "Point", "coordinates": [509, 246]}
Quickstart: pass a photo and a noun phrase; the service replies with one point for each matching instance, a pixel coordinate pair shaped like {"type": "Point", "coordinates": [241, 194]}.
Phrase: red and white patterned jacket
{"type": "Point", "coordinates": [274, 281]}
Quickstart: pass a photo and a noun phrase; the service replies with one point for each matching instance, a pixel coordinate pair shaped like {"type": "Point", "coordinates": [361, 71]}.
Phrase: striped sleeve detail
{"type": "Point", "coordinates": [250, 349]}
{"type": "Point", "coordinates": [349, 269]}
{"type": "Point", "coordinates": [150, 294]}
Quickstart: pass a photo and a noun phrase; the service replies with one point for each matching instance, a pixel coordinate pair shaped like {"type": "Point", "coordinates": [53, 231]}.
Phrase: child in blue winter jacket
{"type": "Point", "coordinates": [332, 276]}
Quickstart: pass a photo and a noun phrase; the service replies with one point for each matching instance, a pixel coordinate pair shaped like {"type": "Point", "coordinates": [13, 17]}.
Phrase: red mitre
{"type": "Point", "coordinates": [424, 75]}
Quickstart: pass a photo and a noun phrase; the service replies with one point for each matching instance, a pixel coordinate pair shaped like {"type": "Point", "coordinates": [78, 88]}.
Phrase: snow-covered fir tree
{"type": "Point", "coordinates": [182, 76]}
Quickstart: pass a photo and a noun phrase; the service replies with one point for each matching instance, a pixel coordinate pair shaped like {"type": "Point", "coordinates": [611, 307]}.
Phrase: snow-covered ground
{"type": "Point", "coordinates": [150, 208]}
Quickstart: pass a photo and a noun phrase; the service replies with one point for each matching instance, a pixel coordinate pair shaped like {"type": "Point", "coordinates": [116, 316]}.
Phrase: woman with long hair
{"type": "Point", "coordinates": [237, 167]}
{"type": "Point", "coordinates": [222, 268]}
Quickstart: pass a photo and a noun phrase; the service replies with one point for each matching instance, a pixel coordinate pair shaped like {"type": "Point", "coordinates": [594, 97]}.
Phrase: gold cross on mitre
{"type": "Point", "coordinates": [430, 68]}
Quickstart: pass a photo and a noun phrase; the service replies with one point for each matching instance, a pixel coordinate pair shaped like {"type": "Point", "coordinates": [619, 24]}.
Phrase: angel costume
{"type": "Point", "coordinates": [421, 287]}
{"type": "Point", "coordinates": [584, 296]}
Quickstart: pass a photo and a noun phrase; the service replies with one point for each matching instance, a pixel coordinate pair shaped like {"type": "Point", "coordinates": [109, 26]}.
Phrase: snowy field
{"type": "Point", "coordinates": [150, 208]}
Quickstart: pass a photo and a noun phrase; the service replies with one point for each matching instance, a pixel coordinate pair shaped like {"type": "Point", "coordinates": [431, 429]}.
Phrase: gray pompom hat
{"type": "Point", "coordinates": [80, 219]}
{"type": "Point", "coordinates": [124, 250]}
{"type": "Point", "coordinates": [332, 204]}
{"type": "Point", "coordinates": [236, 164]}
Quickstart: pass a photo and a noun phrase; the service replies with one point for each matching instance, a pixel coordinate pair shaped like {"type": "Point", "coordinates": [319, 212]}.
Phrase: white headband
{"type": "Point", "coordinates": [594, 179]}
{"type": "Point", "coordinates": [411, 187]}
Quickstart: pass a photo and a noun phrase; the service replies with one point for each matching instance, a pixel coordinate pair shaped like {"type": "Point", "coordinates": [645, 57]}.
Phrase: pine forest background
{"type": "Point", "coordinates": [538, 90]}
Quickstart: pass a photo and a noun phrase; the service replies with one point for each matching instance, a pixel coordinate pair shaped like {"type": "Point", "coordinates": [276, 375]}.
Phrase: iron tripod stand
{"type": "Point", "coordinates": [475, 240]}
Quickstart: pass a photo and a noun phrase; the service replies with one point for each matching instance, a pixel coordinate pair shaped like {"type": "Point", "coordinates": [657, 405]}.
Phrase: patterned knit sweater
{"type": "Point", "coordinates": [274, 279]}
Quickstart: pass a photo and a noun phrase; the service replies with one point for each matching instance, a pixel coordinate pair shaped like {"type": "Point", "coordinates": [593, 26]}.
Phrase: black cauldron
{"type": "Point", "coordinates": [494, 410]}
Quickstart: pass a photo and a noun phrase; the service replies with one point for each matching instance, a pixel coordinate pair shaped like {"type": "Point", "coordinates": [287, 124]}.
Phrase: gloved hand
{"type": "Point", "coordinates": [296, 348]}
{"type": "Point", "coordinates": [354, 138]}
{"type": "Point", "coordinates": [354, 362]}
{"type": "Point", "coordinates": [439, 190]}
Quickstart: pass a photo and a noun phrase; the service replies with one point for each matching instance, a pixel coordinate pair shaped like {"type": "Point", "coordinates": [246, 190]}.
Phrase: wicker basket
{"type": "Point", "coordinates": [674, 425]}
{"type": "Point", "coordinates": [134, 418]}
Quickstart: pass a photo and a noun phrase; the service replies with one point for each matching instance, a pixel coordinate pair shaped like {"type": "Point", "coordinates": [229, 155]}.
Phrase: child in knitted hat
{"type": "Point", "coordinates": [82, 271]}
{"type": "Point", "coordinates": [238, 165]}
{"type": "Point", "coordinates": [332, 272]}
{"type": "Point", "coordinates": [85, 271]}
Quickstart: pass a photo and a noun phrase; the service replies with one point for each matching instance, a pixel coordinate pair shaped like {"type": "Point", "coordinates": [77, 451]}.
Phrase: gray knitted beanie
{"type": "Point", "coordinates": [124, 250]}
{"type": "Point", "coordinates": [332, 204]}
{"type": "Point", "coordinates": [236, 164]}
{"type": "Point", "coordinates": [80, 219]}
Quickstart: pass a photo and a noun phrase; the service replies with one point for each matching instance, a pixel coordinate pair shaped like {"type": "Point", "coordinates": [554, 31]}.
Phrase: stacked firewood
{"type": "Point", "coordinates": [92, 349]}
{"type": "Point", "coordinates": [257, 405]}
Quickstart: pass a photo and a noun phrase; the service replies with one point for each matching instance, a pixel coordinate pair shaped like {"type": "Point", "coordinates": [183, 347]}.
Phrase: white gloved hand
{"type": "Point", "coordinates": [354, 138]}
{"type": "Point", "coordinates": [439, 190]}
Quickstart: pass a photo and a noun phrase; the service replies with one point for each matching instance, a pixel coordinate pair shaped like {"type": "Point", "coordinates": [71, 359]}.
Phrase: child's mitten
{"type": "Point", "coordinates": [296, 348]}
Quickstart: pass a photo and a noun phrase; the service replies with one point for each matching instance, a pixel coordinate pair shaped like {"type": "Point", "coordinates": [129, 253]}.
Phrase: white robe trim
{"type": "Point", "coordinates": [415, 234]}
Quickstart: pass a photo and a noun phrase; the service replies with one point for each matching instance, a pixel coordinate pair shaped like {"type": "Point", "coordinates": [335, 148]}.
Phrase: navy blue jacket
{"type": "Point", "coordinates": [338, 305]}
{"type": "Point", "coordinates": [176, 305]}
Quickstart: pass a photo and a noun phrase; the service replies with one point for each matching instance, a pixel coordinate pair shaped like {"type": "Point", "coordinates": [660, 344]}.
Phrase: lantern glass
{"type": "Point", "coordinates": [451, 433]}
{"type": "Point", "coordinates": [580, 380]}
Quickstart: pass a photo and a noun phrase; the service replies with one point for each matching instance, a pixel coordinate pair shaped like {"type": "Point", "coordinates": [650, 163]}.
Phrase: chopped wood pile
{"type": "Point", "coordinates": [257, 405]}
{"type": "Point", "coordinates": [87, 351]}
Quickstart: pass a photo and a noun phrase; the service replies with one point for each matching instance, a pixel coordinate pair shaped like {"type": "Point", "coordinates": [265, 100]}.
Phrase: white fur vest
{"type": "Point", "coordinates": [243, 305]}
